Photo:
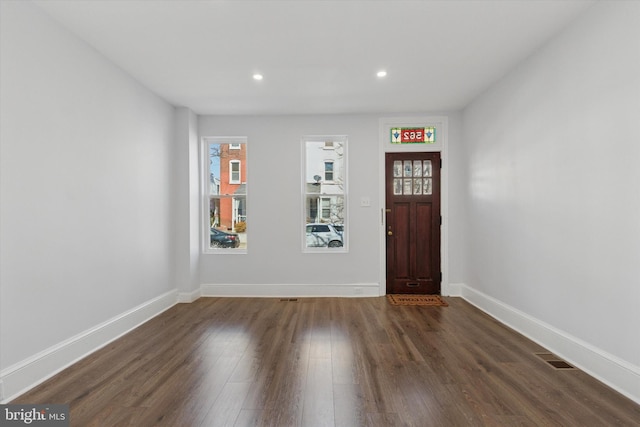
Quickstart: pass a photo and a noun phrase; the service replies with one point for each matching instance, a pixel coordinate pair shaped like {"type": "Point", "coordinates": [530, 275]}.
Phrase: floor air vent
{"type": "Point", "coordinates": [289, 299]}
{"type": "Point", "coordinates": [554, 361]}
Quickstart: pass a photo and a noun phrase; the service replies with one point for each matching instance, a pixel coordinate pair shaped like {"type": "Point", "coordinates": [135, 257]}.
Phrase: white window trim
{"type": "Point", "coordinates": [204, 167]}
{"type": "Point", "coordinates": [345, 194]}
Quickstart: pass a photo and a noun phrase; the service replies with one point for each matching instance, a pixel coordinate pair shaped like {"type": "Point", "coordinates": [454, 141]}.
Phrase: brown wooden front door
{"type": "Point", "coordinates": [413, 223]}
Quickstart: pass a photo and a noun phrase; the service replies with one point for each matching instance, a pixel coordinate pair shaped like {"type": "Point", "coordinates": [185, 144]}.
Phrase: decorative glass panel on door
{"type": "Point", "coordinates": [427, 168]}
{"type": "Point", "coordinates": [397, 169]}
{"type": "Point", "coordinates": [417, 168]}
{"type": "Point", "coordinates": [412, 177]}
{"type": "Point", "coordinates": [397, 186]}
{"type": "Point", "coordinates": [417, 186]}
{"type": "Point", "coordinates": [426, 186]}
{"type": "Point", "coordinates": [407, 187]}
{"type": "Point", "coordinates": [408, 170]}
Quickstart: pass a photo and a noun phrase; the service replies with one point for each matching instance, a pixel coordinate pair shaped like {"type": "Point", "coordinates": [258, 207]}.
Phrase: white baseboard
{"type": "Point", "coordinates": [292, 290]}
{"type": "Point", "coordinates": [618, 374]}
{"type": "Point", "coordinates": [452, 289]}
{"type": "Point", "coordinates": [30, 372]}
{"type": "Point", "coordinates": [189, 297]}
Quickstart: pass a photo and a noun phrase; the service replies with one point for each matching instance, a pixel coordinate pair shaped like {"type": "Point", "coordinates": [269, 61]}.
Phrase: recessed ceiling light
{"type": "Point", "coordinates": [258, 76]}
{"type": "Point", "coordinates": [381, 73]}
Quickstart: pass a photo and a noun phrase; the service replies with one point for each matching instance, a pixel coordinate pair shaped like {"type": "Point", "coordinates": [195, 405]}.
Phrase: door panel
{"type": "Point", "coordinates": [401, 230]}
{"type": "Point", "coordinates": [424, 219]}
{"type": "Point", "coordinates": [413, 222]}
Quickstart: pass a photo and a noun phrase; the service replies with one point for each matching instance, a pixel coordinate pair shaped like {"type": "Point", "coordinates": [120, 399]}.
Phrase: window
{"type": "Point", "coordinates": [326, 209]}
{"type": "Point", "coordinates": [325, 193]}
{"type": "Point", "coordinates": [328, 171]}
{"type": "Point", "coordinates": [226, 199]}
{"type": "Point", "coordinates": [234, 172]}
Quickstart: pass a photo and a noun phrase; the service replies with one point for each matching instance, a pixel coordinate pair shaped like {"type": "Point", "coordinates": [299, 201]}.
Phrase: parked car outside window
{"type": "Point", "coordinates": [222, 239]}
{"type": "Point", "coordinates": [323, 235]}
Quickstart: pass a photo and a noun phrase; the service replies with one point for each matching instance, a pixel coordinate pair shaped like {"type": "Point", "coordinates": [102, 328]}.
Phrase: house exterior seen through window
{"type": "Point", "coordinates": [325, 194]}
{"type": "Point", "coordinates": [226, 199]}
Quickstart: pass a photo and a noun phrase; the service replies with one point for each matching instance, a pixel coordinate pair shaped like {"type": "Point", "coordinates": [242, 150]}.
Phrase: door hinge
{"type": "Point", "coordinates": [440, 219]}
{"type": "Point", "coordinates": [440, 163]}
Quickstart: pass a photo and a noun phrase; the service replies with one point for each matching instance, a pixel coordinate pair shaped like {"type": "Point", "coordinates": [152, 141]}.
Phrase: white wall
{"type": "Point", "coordinates": [275, 210]}
{"type": "Point", "coordinates": [457, 201]}
{"type": "Point", "coordinates": [275, 206]}
{"type": "Point", "coordinates": [85, 171]}
{"type": "Point", "coordinates": [554, 205]}
{"type": "Point", "coordinates": [186, 187]}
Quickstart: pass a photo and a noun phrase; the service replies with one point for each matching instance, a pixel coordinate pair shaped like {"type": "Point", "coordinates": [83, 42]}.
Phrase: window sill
{"type": "Point", "coordinates": [224, 251]}
{"type": "Point", "coordinates": [341, 250]}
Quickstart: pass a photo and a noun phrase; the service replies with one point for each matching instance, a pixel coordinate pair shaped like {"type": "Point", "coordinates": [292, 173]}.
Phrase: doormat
{"type": "Point", "coordinates": [409, 299]}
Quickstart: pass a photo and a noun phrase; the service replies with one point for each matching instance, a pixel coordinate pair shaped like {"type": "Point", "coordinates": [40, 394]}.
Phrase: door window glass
{"type": "Point", "coordinates": [412, 177]}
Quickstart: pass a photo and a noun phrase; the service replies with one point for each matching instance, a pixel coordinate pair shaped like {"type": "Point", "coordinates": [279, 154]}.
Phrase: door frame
{"type": "Point", "coordinates": [441, 124]}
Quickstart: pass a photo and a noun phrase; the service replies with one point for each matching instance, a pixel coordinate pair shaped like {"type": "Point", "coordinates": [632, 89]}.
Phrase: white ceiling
{"type": "Point", "coordinates": [316, 56]}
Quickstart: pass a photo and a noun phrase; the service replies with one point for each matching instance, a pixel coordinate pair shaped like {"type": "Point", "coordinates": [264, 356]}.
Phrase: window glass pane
{"type": "Point", "coordinates": [427, 168]}
{"type": "Point", "coordinates": [426, 186]}
{"type": "Point", "coordinates": [408, 189]}
{"type": "Point", "coordinates": [407, 168]}
{"type": "Point", "coordinates": [417, 168]}
{"type": "Point", "coordinates": [397, 186]}
{"type": "Point", "coordinates": [397, 168]}
{"type": "Point", "coordinates": [234, 176]}
{"type": "Point", "coordinates": [323, 165]}
{"type": "Point", "coordinates": [417, 186]}
{"type": "Point", "coordinates": [227, 194]}
{"type": "Point", "coordinates": [324, 187]}
{"type": "Point", "coordinates": [325, 222]}
{"type": "Point", "coordinates": [328, 171]}
{"type": "Point", "coordinates": [325, 209]}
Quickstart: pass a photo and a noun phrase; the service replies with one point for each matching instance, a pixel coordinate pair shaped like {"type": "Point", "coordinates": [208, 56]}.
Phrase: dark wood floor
{"type": "Point", "coordinates": [327, 362]}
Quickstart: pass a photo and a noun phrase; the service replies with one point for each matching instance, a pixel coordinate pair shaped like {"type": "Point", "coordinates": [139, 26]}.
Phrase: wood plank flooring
{"type": "Point", "coordinates": [327, 362]}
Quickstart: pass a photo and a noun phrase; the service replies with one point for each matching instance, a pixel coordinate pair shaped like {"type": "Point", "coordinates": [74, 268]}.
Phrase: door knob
{"type": "Point", "coordinates": [389, 233]}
